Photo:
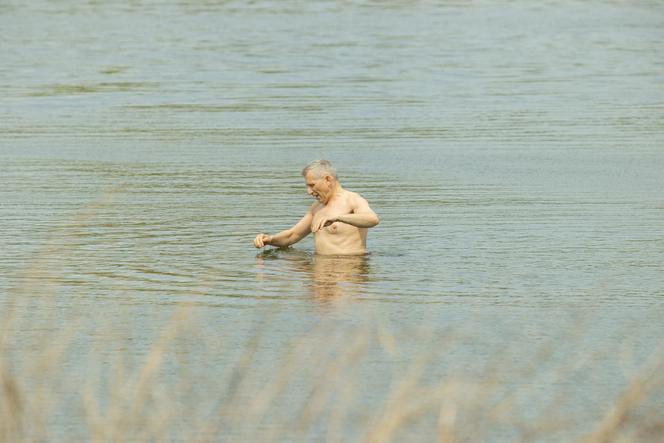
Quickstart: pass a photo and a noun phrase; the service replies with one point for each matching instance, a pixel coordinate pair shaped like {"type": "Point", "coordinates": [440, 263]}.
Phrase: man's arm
{"type": "Point", "coordinates": [362, 216]}
{"type": "Point", "coordinates": [287, 237]}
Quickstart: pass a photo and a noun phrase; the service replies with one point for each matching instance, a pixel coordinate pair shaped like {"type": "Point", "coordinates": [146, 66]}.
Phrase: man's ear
{"type": "Point", "coordinates": [328, 179]}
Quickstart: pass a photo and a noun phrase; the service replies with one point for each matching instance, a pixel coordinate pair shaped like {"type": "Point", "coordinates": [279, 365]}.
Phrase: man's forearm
{"type": "Point", "coordinates": [359, 220]}
{"type": "Point", "coordinates": [280, 239]}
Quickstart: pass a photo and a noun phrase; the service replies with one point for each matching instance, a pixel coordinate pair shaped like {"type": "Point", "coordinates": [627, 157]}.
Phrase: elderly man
{"type": "Point", "coordinates": [339, 219]}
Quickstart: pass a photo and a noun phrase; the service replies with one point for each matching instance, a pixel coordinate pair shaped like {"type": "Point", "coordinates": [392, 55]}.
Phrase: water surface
{"type": "Point", "coordinates": [514, 152]}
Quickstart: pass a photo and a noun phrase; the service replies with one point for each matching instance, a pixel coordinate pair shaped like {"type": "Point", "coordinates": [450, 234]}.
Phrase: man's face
{"type": "Point", "coordinates": [317, 187]}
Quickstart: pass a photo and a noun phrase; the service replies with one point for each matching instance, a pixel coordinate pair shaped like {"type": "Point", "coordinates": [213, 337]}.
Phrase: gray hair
{"type": "Point", "coordinates": [320, 168]}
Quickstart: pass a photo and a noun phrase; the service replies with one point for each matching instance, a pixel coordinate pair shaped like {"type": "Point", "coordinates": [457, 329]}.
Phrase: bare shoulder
{"type": "Point", "coordinates": [356, 201]}
{"type": "Point", "coordinates": [355, 197]}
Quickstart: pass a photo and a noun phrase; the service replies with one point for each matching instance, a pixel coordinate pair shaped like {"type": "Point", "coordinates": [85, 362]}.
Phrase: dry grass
{"type": "Point", "coordinates": [81, 377]}
{"type": "Point", "coordinates": [318, 389]}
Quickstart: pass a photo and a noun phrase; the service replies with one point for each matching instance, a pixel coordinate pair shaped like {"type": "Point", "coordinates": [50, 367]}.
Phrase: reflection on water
{"type": "Point", "coordinates": [337, 276]}
{"type": "Point", "coordinates": [327, 277]}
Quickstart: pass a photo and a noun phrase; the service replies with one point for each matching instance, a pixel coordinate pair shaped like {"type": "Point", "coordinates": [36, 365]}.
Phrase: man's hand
{"type": "Point", "coordinates": [323, 222]}
{"type": "Point", "coordinates": [261, 240]}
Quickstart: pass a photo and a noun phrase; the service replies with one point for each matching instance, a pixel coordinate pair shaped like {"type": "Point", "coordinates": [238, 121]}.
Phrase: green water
{"type": "Point", "coordinates": [514, 152]}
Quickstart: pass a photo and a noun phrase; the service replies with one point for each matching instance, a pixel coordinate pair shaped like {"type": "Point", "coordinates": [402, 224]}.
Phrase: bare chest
{"type": "Point", "coordinates": [338, 237]}
{"type": "Point", "coordinates": [332, 210]}
{"type": "Point", "coordinates": [337, 229]}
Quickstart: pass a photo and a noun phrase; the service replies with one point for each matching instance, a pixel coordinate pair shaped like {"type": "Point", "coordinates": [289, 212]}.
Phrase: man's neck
{"type": "Point", "coordinates": [335, 194]}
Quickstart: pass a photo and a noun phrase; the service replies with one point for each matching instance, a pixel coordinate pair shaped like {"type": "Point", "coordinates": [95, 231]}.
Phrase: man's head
{"type": "Point", "coordinates": [321, 179]}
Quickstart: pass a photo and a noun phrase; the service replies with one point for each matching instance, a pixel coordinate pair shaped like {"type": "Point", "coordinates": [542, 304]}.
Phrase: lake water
{"type": "Point", "coordinates": [513, 150]}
